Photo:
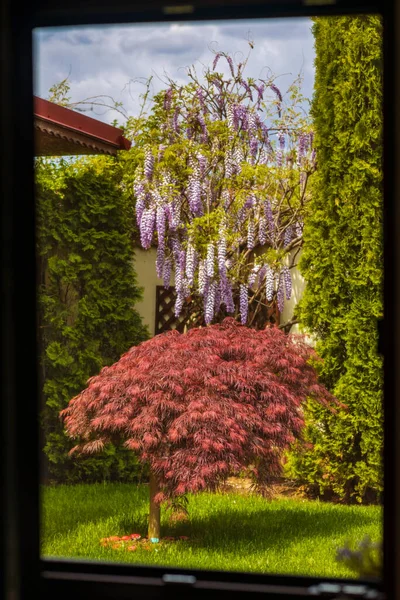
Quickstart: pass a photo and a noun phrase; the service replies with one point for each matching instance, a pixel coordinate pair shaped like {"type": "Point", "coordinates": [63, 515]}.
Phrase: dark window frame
{"type": "Point", "coordinates": [24, 574]}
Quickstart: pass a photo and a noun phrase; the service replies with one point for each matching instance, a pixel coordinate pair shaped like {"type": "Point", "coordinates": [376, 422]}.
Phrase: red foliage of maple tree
{"type": "Point", "coordinates": [200, 406]}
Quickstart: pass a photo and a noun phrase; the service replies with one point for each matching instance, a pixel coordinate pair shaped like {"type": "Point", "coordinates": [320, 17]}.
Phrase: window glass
{"type": "Point", "coordinates": [209, 242]}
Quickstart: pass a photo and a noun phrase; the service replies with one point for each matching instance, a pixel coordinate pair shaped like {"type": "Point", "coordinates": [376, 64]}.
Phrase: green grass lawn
{"type": "Point", "coordinates": [226, 531]}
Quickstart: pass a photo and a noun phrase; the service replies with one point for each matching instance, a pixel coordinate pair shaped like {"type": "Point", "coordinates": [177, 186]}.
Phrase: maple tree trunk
{"type": "Point", "coordinates": [154, 516]}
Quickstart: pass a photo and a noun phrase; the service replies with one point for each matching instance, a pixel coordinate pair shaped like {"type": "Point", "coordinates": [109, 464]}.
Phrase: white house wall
{"type": "Point", "coordinates": [298, 285]}
{"type": "Point", "coordinates": [145, 267]}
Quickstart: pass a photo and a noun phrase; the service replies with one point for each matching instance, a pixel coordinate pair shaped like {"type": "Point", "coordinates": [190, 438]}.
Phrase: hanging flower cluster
{"type": "Point", "coordinates": [226, 206]}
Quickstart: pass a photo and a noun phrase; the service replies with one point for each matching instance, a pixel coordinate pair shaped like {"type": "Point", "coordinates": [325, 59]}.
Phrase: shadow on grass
{"type": "Point", "coordinates": [266, 528]}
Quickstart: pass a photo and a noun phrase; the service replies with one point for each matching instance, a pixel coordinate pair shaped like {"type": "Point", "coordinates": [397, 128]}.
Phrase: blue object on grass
{"type": "Point", "coordinates": [154, 540]}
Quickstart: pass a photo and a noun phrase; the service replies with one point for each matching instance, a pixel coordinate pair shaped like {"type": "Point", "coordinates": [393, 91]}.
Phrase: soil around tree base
{"type": "Point", "coordinates": [280, 487]}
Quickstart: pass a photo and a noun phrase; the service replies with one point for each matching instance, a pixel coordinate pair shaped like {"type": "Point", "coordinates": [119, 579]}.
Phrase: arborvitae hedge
{"type": "Point", "coordinates": [342, 261]}
{"type": "Point", "coordinates": [87, 294]}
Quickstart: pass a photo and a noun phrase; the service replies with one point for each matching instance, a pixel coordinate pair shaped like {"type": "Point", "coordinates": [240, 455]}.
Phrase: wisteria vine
{"type": "Point", "coordinates": [222, 189]}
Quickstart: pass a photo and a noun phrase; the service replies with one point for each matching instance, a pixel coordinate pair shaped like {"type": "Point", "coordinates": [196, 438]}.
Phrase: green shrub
{"type": "Point", "coordinates": [341, 455]}
{"type": "Point", "coordinates": [87, 293]}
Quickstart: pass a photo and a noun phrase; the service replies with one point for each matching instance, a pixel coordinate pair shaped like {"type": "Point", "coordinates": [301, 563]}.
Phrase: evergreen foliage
{"type": "Point", "coordinates": [87, 295]}
{"type": "Point", "coordinates": [342, 261]}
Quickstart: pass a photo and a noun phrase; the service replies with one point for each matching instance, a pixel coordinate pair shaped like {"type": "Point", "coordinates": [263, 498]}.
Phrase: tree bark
{"type": "Point", "coordinates": [154, 516]}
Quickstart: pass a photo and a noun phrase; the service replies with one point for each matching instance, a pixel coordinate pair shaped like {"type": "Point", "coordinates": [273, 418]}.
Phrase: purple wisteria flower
{"type": "Point", "coordinates": [279, 158]}
{"type": "Point", "coordinates": [262, 230]}
{"type": "Point", "coordinates": [269, 284]}
{"type": "Point", "coordinates": [244, 303]}
{"type": "Point", "coordinates": [202, 277]}
{"type": "Point", "coordinates": [230, 116]}
{"type": "Point", "coordinates": [238, 159]}
{"type": "Point", "coordinates": [242, 114]}
{"type": "Point", "coordinates": [251, 201]}
{"type": "Point", "coordinates": [185, 288]}
{"type": "Point", "coordinates": [260, 91]}
{"type": "Point", "coordinates": [252, 122]}
{"type": "Point", "coordinates": [221, 251]}
{"type": "Point", "coordinates": [216, 59]}
{"type": "Point", "coordinates": [176, 247]}
{"type": "Point", "coordinates": [203, 126]}
{"type": "Point", "coordinates": [228, 165]}
{"type": "Point", "coordinates": [200, 96]}
{"type": "Point", "coordinates": [179, 304]}
{"type": "Point", "coordinates": [202, 164]}
{"type": "Point", "coordinates": [264, 157]}
{"type": "Point", "coordinates": [182, 261]}
{"type": "Point", "coordinates": [226, 198]}
{"type": "Point", "coordinates": [210, 260]}
{"type": "Point", "coordinates": [190, 263]}
{"type": "Point", "coordinates": [299, 229]}
{"type": "Point", "coordinates": [247, 88]}
{"type": "Point", "coordinates": [280, 294]}
{"type": "Point", "coordinates": [147, 224]}
{"type": "Point", "coordinates": [175, 123]}
{"type": "Point", "coordinates": [160, 259]}
{"type": "Point", "coordinates": [148, 163]}
{"type": "Point", "coordinates": [227, 296]}
{"type": "Point", "coordinates": [140, 193]}
{"type": "Point", "coordinates": [240, 217]}
{"type": "Point", "coordinates": [167, 99]}
{"type": "Point", "coordinates": [265, 136]}
{"type": "Point", "coordinates": [160, 224]}
{"type": "Point", "coordinates": [287, 277]}
{"type": "Point", "coordinates": [194, 189]}
{"type": "Point", "coordinates": [168, 213]}
{"type": "Point", "coordinates": [179, 284]}
{"type": "Point", "coordinates": [261, 274]}
{"type": "Point", "coordinates": [167, 271]}
{"type": "Point", "coordinates": [140, 207]}
{"type": "Point", "coordinates": [253, 275]}
{"type": "Point", "coordinates": [166, 178]}
{"type": "Point", "coordinates": [301, 149]}
{"type": "Point", "coordinates": [218, 85]}
{"type": "Point", "coordinates": [313, 157]}
{"type": "Point", "coordinates": [230, 63]}
{"type": "Point", "coordinates": [175, 214]}
{"type": "Point", "coordinates": [277, 91]}
{"type": "Point", "coordinates": [237, 111]}
{"type": "Point", "coordinates": [253, 148]}
{"type": "Point", "coordinates": [251, 234]}
{"type": "Point", "coordinates": [288, 236]}
{"type": "Point", "coordinates": [210, 302]}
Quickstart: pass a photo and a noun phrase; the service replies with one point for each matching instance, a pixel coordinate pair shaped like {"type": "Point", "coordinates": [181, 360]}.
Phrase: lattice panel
{"type": "Point", "coordinates": [165, 317]}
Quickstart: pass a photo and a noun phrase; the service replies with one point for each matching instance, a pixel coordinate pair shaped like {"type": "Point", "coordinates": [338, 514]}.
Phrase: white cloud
{"type": "Point", "coordinates": [102, 60]}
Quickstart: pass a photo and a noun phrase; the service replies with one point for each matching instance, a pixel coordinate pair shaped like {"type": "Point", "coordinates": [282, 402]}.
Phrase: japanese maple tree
{"type": "Point", "coordinates": [200, 406]}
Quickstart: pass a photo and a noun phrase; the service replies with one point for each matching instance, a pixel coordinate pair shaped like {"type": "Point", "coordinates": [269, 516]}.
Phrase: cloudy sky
{"type": "Point", "coordinates": [114, 60]}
